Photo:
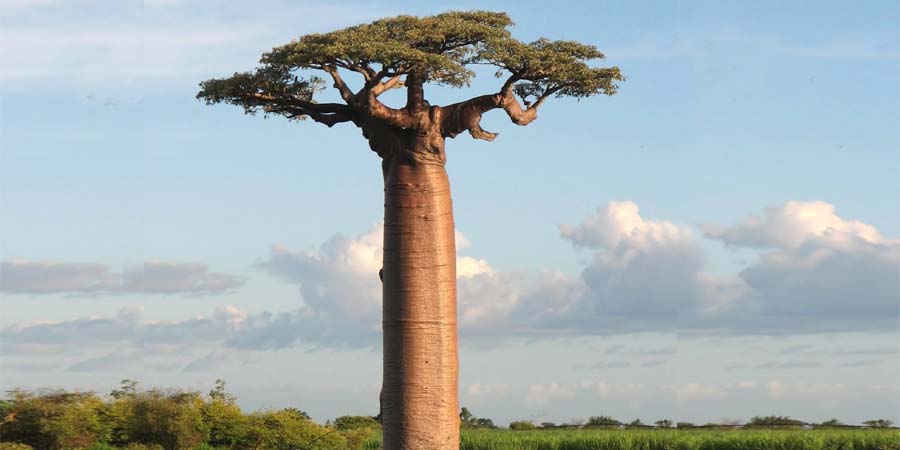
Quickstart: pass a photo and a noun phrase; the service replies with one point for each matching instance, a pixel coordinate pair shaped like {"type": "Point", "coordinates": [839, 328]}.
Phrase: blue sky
{"type": "Point", "coordinates": [717, 240]}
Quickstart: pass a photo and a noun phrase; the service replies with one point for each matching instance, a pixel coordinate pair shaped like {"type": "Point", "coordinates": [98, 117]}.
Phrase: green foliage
{"type": "Point", "coordinates": [344, 423]}
{"type": "Point", "coordinates": [50, 420]}
{"type": "Point", "coordinates": [774, 421]}
{"type": "Point", "coordinates": [172, 419]}
{"type": "Point", "coordinates": [602, 421]}
{"type": "Point", "coordinates": [437, 49]}
{"type": "Point", "coordinates": [223, 418]}
{"type": "Point", "coordinates": [284, 429]}
{"type": "Point", "coordinates": [168, 420]}
{"type": "Point", "coordinates": [831, 423]}
{"type": "Point", "coordinates": [878, 423]}
{"type": "Point", "coordinates": [14, 446]}
{"type": "Point", "coordinates": [522, 425]}
{"type": "Point", "coordinates": [664, 423]}
{"type": "Point", "coordinates": [468, 420]}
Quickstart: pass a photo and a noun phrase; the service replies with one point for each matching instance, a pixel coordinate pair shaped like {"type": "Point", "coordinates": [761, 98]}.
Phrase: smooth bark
{"type": "Point", "coordinates": [420, 409]}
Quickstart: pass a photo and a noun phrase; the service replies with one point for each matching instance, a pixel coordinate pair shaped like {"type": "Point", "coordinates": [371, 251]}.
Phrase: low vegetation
{"type": "Point", "coordinates": [158, 419]}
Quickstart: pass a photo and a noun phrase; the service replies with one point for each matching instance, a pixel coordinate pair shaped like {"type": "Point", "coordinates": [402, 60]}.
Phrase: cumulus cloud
{"type": "Point", "coordinates": [816, 268]}
{"type": "Point", "coordinates": [644, 274]}
{"type": "Point", "coordinates": [822, 273]}
{"type": "Point", "coordinates": [21, 276]}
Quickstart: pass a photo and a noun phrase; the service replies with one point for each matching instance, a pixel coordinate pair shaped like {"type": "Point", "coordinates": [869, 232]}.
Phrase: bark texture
{"type": "Point", "coordinates": [420, 409]}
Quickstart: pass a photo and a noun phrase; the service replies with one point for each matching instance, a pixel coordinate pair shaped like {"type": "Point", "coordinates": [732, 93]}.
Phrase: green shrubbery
{"type": "Point", "coordinates": [158, 419]}
{"type": "Point", "coordinates": [165, 420]}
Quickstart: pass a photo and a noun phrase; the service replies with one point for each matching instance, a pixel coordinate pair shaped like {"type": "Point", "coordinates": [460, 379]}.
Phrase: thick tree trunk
{"type": "Point", "coordinates": [420, 409]}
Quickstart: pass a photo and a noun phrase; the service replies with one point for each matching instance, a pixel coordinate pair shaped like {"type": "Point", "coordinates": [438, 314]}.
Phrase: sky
{"type": "Point", "coordinates": [718, 240]}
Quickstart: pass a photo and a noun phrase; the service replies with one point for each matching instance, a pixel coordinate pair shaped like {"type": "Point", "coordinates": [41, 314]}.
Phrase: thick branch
{"type": "Point", "coordinates": [393, 82]}
{"type": "Point", "coordinates": [395, 117]}
{"type": "Point", "coordinates": [466, 116]}
{"type": "Point", "coordinates": [415, 92]}
{"type": "Point", "coordinates": [340, 85]}
{"type": "Point", "coordinates": [328, 119]}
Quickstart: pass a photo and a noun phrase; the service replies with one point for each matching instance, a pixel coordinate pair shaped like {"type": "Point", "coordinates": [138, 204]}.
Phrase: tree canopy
{"type": "Point", "coordinates": [409, 52]}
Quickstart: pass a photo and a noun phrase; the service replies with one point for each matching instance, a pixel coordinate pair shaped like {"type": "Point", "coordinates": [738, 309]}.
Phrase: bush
{"type": "Point", "coordinates": [344, 423]}
{"type": "Point", "coordinates": [285, 429]}
{"type": "Point", "coordinates": [54, 420]}
{"type": "Point", "coordinates": [522, 425]}
{"type": "Point", "coordinates": [602, 421]}
{"type": "Point", "coordinates": [171, 419]}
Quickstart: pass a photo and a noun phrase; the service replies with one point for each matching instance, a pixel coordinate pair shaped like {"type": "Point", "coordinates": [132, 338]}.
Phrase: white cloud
{"type": "Point", "coordinates": [794, 224]}
{"type": "Point", "coordinates": [153, 41]}
{"type": "Point", "coordinates": [816, 270]}
{"type": "Point", "coordinates": [20, 276]}
{"type": "Point", "coordinates": [486, 390]}
{"type": "Point", "coordinates": [651, 272]}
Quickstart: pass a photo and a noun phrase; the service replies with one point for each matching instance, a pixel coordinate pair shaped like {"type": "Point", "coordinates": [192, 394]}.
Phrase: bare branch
{"type": "Point", "coordinates": [466, 115]}
{"type": "Point", "coordinates": [392, 83]}
{"type": "Point", "coordinates": [395, 117]}
{"type": "Point", "coordinates": [340, 85]}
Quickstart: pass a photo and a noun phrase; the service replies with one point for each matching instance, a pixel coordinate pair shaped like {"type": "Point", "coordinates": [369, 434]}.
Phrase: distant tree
{"type": "Point", "coordinates": [465, 416]}
{"type": "Point", "coordinates": [522, 425]}
{"type": "Point", "coordinates": [548, 425]}
{"type": "Point", "coordinates": [302, 415]}
{"type": "Point", "coordinates": [218, 393]}
{"type": "Point", "coordinates": [602, 421]}
{"type": "Point", "coordinates": [53, 420]}
{"type": "Point", "coordinates": [127, 387]}
{"type": "Point", "coordinates": [878, 423]}
{"type": "Point", "coordinates": [774, 421]}
{"type": "Point", "coordinates": [831, 423]}
{"type": "Point", "coordinates": [224, 419]}
{"type": "Point", "coordinates": [636, 423]}
{"type": "Point", "coordinates": [355, 422]}
{"type": "Point", "coordinates": [685, 425]}
{"type": "Point", "coordinates": [171, 418]}
{"type": "Point", "coordinates": [665, 423]}
{"type": "Point", "coordinates": [468, 420]}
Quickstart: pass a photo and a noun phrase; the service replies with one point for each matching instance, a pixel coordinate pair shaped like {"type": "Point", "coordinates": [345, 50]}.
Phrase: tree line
{"type": "Point", "coordinates": [172, 419]}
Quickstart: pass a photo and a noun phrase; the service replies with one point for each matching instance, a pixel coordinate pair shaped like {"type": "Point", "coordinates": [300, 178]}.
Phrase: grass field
{"type": "Point", "coordinates": [698, 439]}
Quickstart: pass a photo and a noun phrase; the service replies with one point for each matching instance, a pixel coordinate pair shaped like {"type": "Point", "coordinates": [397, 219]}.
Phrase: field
{"type": "Point", "coordinates": [698, 439]}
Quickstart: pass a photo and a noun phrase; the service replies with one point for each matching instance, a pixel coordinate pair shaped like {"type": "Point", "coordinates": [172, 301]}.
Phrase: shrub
{"type": "Point", "coordinates": [171, 419]}
{"type": "Point", "coordinates": [522, 425]}
{"type": "Point", "coordinates": [602, 421]}
{"type": "Point", "coordinates": [285, 429]}
{"type": "Point", "coordinates": [51, 420]}
{"type": "Point", "coordinates": [355, 422]}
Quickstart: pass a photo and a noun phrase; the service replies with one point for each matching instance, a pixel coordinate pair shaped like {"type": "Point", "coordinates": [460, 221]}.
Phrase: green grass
{"type": "Point", "coordinates": [605, 439]}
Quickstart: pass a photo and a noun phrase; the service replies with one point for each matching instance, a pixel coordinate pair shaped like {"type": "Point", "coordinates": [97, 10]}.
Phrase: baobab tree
{"type": "Point", "coordinates": [419, 392]}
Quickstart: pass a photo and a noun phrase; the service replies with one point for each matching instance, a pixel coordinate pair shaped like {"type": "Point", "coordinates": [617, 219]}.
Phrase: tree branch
{"type": "Point", "coordinates": [393, 82]}
{"type": "Point", "coordinates": [339, 84]}
{"type": "Point", "coordinates": [288, 101]}
{"type": "Point", "coordinates": [415, 92]}
{"type": "Point", "coordinates": [395, 117]}
{"type": "Point", "coordinates": [466, 115]}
